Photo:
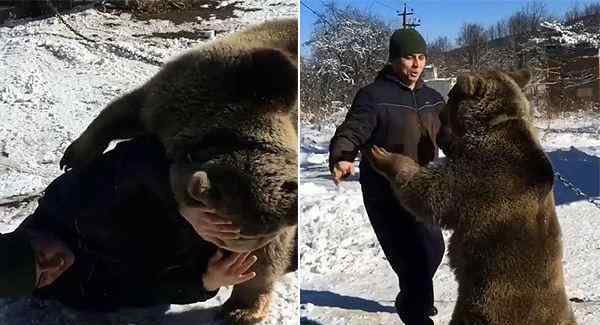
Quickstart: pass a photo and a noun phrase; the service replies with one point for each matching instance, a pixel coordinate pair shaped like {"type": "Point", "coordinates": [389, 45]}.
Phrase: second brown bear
{"type": "Point", "coordinates": [495, 191]}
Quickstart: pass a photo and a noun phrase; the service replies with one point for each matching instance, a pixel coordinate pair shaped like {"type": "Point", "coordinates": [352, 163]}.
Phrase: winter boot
{"type": "Point", "coordinates": [410, 315]}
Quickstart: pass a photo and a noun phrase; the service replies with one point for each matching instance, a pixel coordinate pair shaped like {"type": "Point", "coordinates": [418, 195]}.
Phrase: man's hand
{"type": "Point", "coordinates": [209, 225]}
{"type": "Point", "coordinates": [226, 271]}
{"type": "Point", "coordinates": [341, 170]}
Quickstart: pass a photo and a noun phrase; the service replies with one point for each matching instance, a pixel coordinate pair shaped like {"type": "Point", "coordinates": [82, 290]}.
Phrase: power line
{"type": "Point", "coordinates": [405, 15]}
{"type": "Point", "coordinates": [370, 6]}
{"type": "Point", "coordinates": [384, 5]}
{"type": "Point", "coordinates": [315, 13]}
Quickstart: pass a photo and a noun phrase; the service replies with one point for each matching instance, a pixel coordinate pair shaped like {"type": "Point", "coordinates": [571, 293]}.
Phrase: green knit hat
{"type": "Point", "coordinates": [406, 41]}
{"type": "Point", "coordinates": [17, 265]}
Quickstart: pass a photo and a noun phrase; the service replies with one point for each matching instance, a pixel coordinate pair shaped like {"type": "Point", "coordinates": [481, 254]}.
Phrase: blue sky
{"type": "Point", "coordinates": [438, 18]}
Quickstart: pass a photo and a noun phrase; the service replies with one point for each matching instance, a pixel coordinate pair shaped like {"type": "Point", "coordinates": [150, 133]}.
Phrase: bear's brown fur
{"type": "Point", "coordinates": [494, 190]}
{"type": "Point", "coordinates": [223, 112]}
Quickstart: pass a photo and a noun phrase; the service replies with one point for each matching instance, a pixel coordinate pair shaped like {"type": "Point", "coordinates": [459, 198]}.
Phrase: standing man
{"type": "Point", "coordinates": [399, 113]}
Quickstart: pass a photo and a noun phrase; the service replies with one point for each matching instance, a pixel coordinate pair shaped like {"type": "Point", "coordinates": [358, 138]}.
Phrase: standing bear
{"type": "Point", "coordinates": [494, 190]}
{"type": "Point", "coordinates": [224, 114]}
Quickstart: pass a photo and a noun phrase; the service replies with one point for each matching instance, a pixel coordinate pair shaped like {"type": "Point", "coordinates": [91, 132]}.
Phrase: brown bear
{"type": "Point", "coordinates": [223, 112]}
{"type": "Point", "coordinates": [494, 190]}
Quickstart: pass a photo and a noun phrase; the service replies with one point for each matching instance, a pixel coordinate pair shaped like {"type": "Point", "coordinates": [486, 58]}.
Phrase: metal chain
{"type": "Point", "coordinates": [568, 184]}
{"type": "Point", "coordinates": [138, 56]}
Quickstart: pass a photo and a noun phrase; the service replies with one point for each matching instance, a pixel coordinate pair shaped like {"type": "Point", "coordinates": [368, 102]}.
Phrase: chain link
{"type": "Point", "coordinates": [568, 184]}
{"type": "Point", "coordinates": [117, 48]}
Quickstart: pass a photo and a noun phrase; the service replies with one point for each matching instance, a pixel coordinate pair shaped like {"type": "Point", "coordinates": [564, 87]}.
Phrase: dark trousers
{"type": "Point", "coordinates": [413, 249]}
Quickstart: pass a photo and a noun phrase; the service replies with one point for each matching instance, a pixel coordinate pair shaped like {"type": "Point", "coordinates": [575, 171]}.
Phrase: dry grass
{"type": "Point", "coordinates": [159, 6]}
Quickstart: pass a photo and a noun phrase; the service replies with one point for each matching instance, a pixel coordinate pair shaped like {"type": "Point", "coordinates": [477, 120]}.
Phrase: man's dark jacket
{"type": "Point", "coordinates": [387, 113]}
{"type": "Point", "coordinates": [131, 245]}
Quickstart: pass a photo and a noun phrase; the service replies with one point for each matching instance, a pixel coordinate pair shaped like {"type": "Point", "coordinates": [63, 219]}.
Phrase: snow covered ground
{"type": "Point", "coordinates": [52, 84]}
{"type": "Point", "coordinates": [345, 278]}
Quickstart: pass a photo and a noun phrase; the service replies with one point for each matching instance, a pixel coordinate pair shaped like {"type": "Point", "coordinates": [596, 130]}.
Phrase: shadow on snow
{"type": "Point", "coordinates": [581, 169]}
{"type": "Point", "coordinates": [18, 311]}
{"type": "Point", "coordinates": [331, 299]}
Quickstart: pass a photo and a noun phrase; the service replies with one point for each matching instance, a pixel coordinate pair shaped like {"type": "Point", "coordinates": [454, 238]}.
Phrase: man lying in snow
{"type": "Point", "coordinates": [110, 235]}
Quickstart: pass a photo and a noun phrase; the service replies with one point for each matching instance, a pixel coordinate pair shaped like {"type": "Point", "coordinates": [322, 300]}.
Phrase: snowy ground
{"type": "Point", "coordinates": [52, 84]}
{"type": "Point", "coordinates": [345, 277]}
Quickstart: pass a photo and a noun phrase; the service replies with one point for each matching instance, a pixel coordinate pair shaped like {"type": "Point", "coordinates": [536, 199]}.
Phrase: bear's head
{"type": "Point", "coordinates": [480, 101]}
{"type": "Point", "coordinates": [241, 160]}
{"type": "Point", "coordinates": [223, 112]}
{"type": "Point", "coordinates": [255, 187]}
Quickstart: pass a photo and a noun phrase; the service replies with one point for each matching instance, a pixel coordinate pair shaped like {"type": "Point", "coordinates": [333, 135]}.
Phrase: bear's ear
{"type": "Point", "coordinates": [198, 186]}
{"type": "Point", "coordinates": [269, 78]}
{"type": "Point", "coordinates": [521, 77]}
{"type": "Point", "coordinates": [469, 84]}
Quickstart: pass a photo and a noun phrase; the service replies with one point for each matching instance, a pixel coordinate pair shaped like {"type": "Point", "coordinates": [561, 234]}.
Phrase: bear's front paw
{"type": "Point", "coordinates": [393, 166]}
{"type": "Point", "coordinates": [80, 153]}
{"type": "Point", "coordinates": [257, 312]}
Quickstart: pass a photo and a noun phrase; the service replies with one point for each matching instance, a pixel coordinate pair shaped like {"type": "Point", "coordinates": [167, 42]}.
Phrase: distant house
{"type": "Point", "coordinates": [442, 85]}
{"type": "Point", "coordinates": [565, 72]}
{"type": "Point", "coordinates": [575, 74]}
{"type": "Point", "coordinates": [573, 62]}
{"type": "Point", "coordinates": [429, 72]}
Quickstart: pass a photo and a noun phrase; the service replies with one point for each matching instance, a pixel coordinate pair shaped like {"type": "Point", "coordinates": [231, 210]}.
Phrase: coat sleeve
{"type": "Point", "coordinates": [94, 189]}
{"type": "Point", "coordinates": [355, 131]}
{"type": "Point", "coordinates": [182, 292]}
{"type": "Point", "coordinates": [182, 285]}
{"type": "Point", "coordinates": [437, 124]}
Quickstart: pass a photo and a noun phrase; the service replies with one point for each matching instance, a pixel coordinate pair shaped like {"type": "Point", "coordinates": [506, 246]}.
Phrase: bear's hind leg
{"type": "Point", "coordinates": [249, 302]}
{"type": "Point", "coordinates": [247, 305]}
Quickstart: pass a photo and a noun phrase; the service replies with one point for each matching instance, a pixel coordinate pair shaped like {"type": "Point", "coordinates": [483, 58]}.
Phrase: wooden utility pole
{"type": "Point", "coordinates": [404, 15]}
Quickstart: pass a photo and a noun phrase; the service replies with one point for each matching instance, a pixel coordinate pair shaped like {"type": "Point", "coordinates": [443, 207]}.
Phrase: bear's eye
{"type": "Point", "coordinates": [289, 186]}
{"type": "Point", "coordinates": [215, 142]}
{"type": "Point", "coordinates": [220, 137]}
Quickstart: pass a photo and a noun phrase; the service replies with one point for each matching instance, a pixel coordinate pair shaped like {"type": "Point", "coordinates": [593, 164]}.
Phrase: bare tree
{"type": "Point", "coordinates": [473, 38]}
{"type": "Point", "coordinates": [491, 32]}
{"type": "Point", "coordinates": [592, 9]}
{"type": "Point", "coordinates": [588, 16]}
{"type": "Point", "coordinates": [436, 53]}
{"type": "Point", "coordinates": [439, 45]}
{"type": "Point", "coordinates": [573, 13]}
{"type": "Point", "coordinates": [576, 12]}
{"type": "Point", "coordinates": [527, 20]}
{"type": "Point", "coordinates": [501, 28]}
{"type": "Point", "coordinates": [348, 48]}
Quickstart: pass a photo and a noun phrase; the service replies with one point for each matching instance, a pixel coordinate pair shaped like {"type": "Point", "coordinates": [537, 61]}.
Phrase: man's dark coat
{"type": "Point", "coordinates": [131, 245]}
{"type": "Point", "coordinates": [388, 114]}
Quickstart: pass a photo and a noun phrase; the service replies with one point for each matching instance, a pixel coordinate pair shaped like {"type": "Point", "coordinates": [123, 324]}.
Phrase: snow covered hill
{"type": "Point", "coordinates": [52, 84]}
{"type": "Point", "coordinates": [345, 277]}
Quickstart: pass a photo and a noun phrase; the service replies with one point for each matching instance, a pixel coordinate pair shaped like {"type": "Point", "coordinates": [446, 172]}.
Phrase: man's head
{"type": "Point", "coordinates": [407, 55]}
{"type": "Point", "coordinates": [31, 260]}
{"type": "Point", "coordinates": [52, 257]}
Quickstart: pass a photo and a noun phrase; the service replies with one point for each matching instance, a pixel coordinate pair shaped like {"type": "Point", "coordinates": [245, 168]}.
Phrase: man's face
{"type": "Point", "coordinates": [410, 67]}
{"type": "Point", "coordinates": [52, 257]}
